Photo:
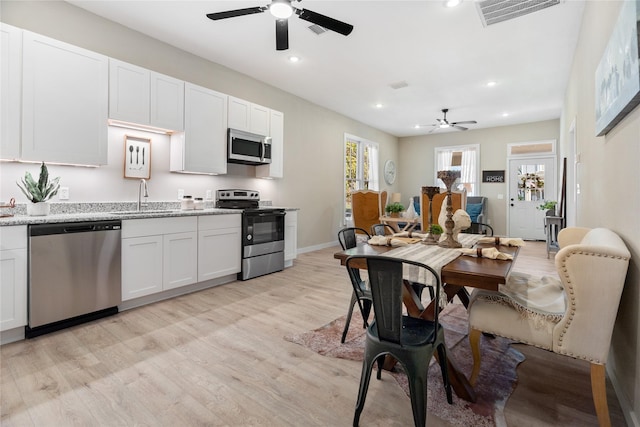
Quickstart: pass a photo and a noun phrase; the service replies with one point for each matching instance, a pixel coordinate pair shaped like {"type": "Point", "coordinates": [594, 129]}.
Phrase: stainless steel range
{"type": "Point", "coordinates": [262, 232]}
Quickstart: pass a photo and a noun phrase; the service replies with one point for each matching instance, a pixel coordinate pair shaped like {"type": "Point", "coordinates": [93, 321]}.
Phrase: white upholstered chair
{"type": "Point", "coordinates": [573, 316]}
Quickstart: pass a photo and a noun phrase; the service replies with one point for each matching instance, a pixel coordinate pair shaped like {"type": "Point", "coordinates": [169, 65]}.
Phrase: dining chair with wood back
{"type": "Point", "coordinates": [409, 340]}
{"type": "Point", "coordinates": [361, 295]}
{"type": "Point", "coordinates": [367, 207]}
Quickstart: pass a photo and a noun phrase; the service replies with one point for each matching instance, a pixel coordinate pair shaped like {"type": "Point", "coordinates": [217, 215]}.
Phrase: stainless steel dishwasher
{"type": "Point", "coordinates": [74, 274]}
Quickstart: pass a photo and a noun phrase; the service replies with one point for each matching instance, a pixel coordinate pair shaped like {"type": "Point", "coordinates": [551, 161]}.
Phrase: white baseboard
{"type": "Point", "coordinates": [318, 247]}
{"type": "Point", "coordinates": [627, 407]}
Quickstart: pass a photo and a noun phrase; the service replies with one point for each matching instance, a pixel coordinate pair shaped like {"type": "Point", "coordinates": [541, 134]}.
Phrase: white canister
{"type": "Point", "coordinates": [198, 203]}
{"type": "Point", "coordinates": [187, 203]}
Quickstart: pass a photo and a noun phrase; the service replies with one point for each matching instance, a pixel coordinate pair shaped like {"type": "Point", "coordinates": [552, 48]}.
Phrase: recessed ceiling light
{"type": "Point", "coordinates": [505, 114]}
{"type": "Point", "coordinates": [379, 105]}
{"type": "Point", "coordinates": [294, 58]}
{"type": "Point", "coordinates": [491, 83]}
{"type": "Point", "coordinates": [417, 127]}
{"type": "Point", "coordinates": [452, 3]}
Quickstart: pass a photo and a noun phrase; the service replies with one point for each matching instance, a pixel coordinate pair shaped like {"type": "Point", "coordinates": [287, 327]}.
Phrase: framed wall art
{"type": "Point", "coordinates": [617, 77]}
{"type": "Point", "coordinates": [137, 157]}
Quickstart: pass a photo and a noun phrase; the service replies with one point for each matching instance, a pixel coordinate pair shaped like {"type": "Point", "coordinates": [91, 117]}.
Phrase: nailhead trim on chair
{"type": "Point", "coordinates": [570, 291]}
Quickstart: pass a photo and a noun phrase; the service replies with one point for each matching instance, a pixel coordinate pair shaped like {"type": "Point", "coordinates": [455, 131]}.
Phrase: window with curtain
{"type": "Point", "coordinates": [463, 158]}
{"type": "Point", "coordinates": [360, 168]}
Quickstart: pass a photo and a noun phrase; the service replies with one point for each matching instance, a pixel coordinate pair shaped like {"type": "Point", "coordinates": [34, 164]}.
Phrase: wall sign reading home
{"type": "Point", "coordinates": [493, 176]}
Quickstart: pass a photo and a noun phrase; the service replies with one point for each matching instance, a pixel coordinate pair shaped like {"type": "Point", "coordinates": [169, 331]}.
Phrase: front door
{"type": "Point", "coordinates": [532, 181]}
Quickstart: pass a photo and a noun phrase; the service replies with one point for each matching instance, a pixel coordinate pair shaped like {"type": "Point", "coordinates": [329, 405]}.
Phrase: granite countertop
{"type": "Point", "coordinates": [78, 212]}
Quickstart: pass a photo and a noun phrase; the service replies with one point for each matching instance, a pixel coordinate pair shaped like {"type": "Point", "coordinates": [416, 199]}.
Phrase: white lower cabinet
{"type": "Point", "coordinates": [141, 266]}
{"type": "Point", "coordinates": [290, 236]}
{"type": "Point", "coordinates": [180, 266]}
{"type": "Point", "coordinates": [158, 254]}
{"type": "Point", "coordinates": [219, 246]}
{"type": "Point", "coordinates": [13, 277]}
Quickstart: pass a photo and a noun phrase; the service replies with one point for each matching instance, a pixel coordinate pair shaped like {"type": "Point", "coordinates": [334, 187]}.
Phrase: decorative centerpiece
{"type": "Point", "coordinates": [394, 209]}
{"type": "Point", "coordinates": [432, 238]}
{"type": "Point", "coordinates": [449, 178]}
{"type": "Point", "coordinates": [39, 192]}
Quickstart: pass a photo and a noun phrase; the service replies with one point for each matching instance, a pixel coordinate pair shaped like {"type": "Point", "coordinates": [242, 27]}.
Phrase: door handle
{"type": "Point", "coordinates": [511, 204]}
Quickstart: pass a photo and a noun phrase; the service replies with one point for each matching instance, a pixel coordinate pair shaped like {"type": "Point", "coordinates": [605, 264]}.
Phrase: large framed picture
{"type": "Point", "coordinates": [137, 157]}
{"type": "Point", "coordinates": [617, 76]}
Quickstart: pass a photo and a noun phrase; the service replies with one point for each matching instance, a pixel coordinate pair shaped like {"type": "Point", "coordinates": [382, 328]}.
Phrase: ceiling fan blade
{"type": "Point", "coordinates": [459, 127]}
{"type": "Point", "coordinates": [282, 34]}
{"type": "Point", "coordinates": [325, 21]}
{"type": "Point", "coordinates": [233, 13]}
{"type": "Point", "coordinates": [468, 122]}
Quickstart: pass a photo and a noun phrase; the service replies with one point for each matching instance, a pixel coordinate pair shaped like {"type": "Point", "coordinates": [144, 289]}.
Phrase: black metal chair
{"type": "Point", "coordinates": [479, 228]}
{"type": "Point", "coordinates": [382, 230]}
{"type": "Point", "coordinates": [411, 341]}
{"type": "Point", "coordinates": [348, 239]}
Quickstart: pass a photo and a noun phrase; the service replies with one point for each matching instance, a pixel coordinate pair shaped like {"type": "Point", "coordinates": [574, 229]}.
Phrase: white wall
{"type": "Point", "coordinates": [609, 190]}
{"type": "Point", "coordinates": [314, 136]}
{"type": "Point", "coordinates": [417, 160]}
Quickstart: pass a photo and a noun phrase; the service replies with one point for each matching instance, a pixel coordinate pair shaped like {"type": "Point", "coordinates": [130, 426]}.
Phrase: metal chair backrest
{"type": "Point", "coordinates": [386, 282]}
{"type": "Point", "coordinates": [382, 229]}
{"type": "Point", "coordinates": [347, 237]}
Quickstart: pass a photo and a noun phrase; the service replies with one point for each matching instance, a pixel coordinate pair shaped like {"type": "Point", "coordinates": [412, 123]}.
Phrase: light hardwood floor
{"type": "Point", "coordinates": [218, 358]}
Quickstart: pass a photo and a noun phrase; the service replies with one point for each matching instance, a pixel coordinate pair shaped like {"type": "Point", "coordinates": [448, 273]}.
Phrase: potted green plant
{"type": "Point", "coordinates": [394, 209]}
{"type": "Point", "coordinates": [547, 206]}
{"type": "Point", "coordinates": [39, 192]}
{"type": "Point", "coordinates": [435, 229]}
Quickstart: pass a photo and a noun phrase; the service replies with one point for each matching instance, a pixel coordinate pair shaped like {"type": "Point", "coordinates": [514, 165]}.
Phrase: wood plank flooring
{"type": "Point", "coordinates": [217, 358]}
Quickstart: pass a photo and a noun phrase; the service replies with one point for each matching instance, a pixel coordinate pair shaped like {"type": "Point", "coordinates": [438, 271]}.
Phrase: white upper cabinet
{"type": "Point", "coordinates": [10, 90]}
{"type": "Point", "coordinates": [202, 147]}
{"type": "Point", "coordinates": [138, 95]}
{"type": "Point", "coordinates": [249, 117]}
{"type": "Point", "coordinates": [275, 169]}
{"type": "Point", "coordinates": [259, 120]}
{"type": "Point", "coordinates": [65, 102]}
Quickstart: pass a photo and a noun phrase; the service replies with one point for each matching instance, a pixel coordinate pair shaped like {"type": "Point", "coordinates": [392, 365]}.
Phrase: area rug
{"type": "Point", "coordinates": [494, 386]}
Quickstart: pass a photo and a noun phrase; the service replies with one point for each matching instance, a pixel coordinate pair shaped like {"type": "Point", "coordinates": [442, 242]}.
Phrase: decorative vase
{"type": "Point", "coordinates": [38, 209]}
{"type": "Point", "coordinates": [450, 241]}
{"type": "Point", "coordinates": [431, 239]}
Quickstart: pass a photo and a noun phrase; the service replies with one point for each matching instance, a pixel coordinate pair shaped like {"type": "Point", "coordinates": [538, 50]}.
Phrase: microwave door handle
{"type": "Point", "coordinates": [263, 151]}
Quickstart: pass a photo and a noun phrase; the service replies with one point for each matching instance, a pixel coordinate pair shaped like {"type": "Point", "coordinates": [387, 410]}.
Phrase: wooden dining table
{"type": "Point", "coordinates": [461, 272]}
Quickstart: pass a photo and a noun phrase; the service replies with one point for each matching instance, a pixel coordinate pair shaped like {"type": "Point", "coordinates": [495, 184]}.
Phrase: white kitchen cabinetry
{"type": "Point", "coordinates": [158, 254]}
{"type": "Point", "coordinates": [275, 169]}
{"type": "Point", "coordinates": [290, 237]}
{"type": "Point", "coordinates": [13, 277]}
{"type": "Point", "coordinates": [249, 117]}
{"type": "Point", "coordinates": [219, 245]}
{"type": "Point", "coordinates": [141, 96]}
{"type": "Point", "coordinates": [202, 147]}
{"type": "Point", "coordinates": [180, 266]}
{"type": "Point", "coordinates": [65, 100]}
{"type": "Point", "coordinates": [10, 90]}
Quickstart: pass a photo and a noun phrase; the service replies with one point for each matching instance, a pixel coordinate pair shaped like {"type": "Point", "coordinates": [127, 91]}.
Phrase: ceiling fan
{"type": "Point", "coordinates": [282, 10]}
{"type": "Point", "coordinates": [443, 123]}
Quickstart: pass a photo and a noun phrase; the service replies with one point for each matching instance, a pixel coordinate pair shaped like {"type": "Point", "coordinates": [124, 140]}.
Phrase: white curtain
{"type": "Point", "coordinates": [374, 181]}
{"type": "Point", "coordinates": [468, 172]}
{"type": "Point", "coordinates": [443, 163]}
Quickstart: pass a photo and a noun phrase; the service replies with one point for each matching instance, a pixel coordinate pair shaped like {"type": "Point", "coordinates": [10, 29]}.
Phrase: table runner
{"type": "Point", "coordinates": [432, 255]}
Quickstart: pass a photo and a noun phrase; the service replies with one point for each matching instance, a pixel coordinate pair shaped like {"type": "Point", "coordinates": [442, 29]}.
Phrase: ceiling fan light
{"type": "Point", "coordinates": [281, 9]}
{"type": "Point", "coordinates": [452, 3]}
{"type": "Point", "coordinates": [444, 125]}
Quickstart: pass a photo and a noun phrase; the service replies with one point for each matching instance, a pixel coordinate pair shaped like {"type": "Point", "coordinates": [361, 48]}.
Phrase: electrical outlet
{"type": "Point", "coordinates": [500, 196]}
{"type": "Point", "coordinates": [180, 194]}
{"type": "Point", "coordinates": [208, 195]}
{"type": "Point", "coordinates": [63, 193]}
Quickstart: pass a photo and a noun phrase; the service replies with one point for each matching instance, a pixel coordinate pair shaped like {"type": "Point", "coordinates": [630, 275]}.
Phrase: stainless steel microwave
{"type": "Point", "coordinates": [248, 148]}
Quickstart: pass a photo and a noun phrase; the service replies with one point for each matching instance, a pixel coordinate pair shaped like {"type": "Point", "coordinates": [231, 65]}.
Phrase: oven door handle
{"type": "Point", "coordinates": [263, 214]}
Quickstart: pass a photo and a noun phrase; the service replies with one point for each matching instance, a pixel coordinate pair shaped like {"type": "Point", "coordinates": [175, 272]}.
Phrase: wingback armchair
{"type": "Point", "coordinates": [458, 201]}
{"type": "Point", "coordinates": [573, 316]}
{"type": "Point", "coordinates": [367, 207]}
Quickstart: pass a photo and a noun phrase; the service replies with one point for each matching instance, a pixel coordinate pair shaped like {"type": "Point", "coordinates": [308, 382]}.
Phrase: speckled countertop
{"type": "Point", "coordinates": [78, 212]}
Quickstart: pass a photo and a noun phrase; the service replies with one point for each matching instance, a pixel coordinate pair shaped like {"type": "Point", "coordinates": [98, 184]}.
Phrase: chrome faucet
{"type": "Point", "coordinates": [141, 194]}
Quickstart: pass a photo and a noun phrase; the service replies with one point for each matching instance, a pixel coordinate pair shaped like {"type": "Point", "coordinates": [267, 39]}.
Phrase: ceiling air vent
{"type": "Point", "coordinates": [494, 11]}
{"type": "Point", "coordinates": [399, 85]}
{"type": "Point", "coordinates": [317, 29]}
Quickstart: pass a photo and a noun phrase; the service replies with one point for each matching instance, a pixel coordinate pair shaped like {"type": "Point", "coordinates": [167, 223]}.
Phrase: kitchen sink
{"type": "Point", "coordinates": [126, 213]}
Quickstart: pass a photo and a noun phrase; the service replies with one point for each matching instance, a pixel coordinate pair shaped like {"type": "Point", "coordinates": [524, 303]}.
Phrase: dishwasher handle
{"type": "Point", "coordinates": [74, 227]}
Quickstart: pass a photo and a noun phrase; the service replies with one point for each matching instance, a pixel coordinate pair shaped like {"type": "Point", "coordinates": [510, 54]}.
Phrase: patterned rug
{"type": "Point", "coordinates": [494, 386]}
